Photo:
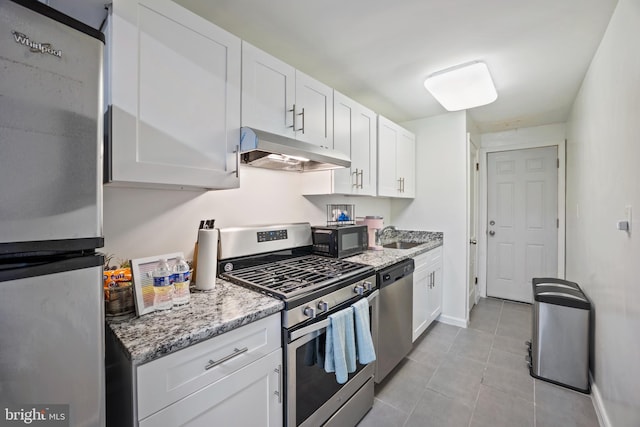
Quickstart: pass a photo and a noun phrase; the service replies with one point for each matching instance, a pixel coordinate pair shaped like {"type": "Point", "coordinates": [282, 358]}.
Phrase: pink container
{"type": "Point", "coordinates": [374, 225]}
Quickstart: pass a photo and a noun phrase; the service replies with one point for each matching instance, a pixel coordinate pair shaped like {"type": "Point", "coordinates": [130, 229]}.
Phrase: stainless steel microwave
{"type": "Point", "coordinates": [340, 241]}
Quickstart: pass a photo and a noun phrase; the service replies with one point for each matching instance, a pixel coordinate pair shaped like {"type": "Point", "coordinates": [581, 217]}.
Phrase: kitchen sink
{"type": "Point", "coordinates": [401, 245]}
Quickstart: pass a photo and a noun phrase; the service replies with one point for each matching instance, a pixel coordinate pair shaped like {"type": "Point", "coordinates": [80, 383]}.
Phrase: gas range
{"type": "Point", "coordinates": [276, 260]}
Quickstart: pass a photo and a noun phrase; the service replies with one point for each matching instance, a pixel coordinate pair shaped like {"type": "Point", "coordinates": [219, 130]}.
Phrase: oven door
{"type": "Point", "coordinates": [314, 395]}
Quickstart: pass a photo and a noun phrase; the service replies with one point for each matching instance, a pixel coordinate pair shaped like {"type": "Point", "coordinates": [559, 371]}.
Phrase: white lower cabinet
{"type": "Point", "coordinates": [251, 396]}
{"type": "Point", "coordinates": [233, 379]}
{"type": "Point", "coordinates": [427, 290]}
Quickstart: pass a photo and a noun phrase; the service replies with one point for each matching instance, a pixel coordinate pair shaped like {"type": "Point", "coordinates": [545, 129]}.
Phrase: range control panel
{"type": "Point", "coordinates": [269, 236]}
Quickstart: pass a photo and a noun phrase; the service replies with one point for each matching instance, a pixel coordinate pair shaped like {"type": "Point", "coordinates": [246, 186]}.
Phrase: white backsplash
{"type": "Point", "coordinates": [145, 222]}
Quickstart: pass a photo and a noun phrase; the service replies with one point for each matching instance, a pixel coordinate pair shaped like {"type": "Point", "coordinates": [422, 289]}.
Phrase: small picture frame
{"type": "Point", "coordinates": [141, 271]}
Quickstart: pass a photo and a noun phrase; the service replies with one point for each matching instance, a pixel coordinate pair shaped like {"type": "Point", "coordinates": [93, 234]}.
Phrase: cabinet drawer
{"type": "Point", "coordinates": [250, 396]}
{"type": "Point", "coordinates": [431, 257]}
{"type": "Point", "coordinates": [170, 378]}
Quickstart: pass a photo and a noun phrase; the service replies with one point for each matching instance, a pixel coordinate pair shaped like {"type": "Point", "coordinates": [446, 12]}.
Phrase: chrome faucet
{"type": "Point", "coordinates": [388, 227]}
{"type": "Point", "coordinates": [380, 232]}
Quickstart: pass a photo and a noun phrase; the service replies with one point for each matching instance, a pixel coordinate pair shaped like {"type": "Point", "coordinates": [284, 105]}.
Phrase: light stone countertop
{"type": "Point", "coordinates": [380, 259]}
{"type": "Point", "coordinates": [208, 314]}
{"type": "Point", "coordinates": [230, 306]}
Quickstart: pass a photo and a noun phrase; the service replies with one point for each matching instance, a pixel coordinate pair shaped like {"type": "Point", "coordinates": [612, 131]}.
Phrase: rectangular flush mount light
{"type": "Point", "coordinates": [463, 86]}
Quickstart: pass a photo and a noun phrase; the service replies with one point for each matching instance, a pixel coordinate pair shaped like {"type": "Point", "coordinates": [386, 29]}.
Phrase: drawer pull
{"type": "Point", "coordinates": [236, 352]}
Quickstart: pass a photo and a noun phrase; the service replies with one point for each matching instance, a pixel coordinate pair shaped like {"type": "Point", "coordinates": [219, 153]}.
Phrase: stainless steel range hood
{"type": "Point", "coordinates": [267, 150]}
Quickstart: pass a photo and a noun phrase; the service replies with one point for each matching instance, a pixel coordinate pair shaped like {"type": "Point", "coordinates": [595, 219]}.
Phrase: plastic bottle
{"type": "Point", "coordinates": [181, 281]}
{"type": "Point", "coordinates": [162, 286]}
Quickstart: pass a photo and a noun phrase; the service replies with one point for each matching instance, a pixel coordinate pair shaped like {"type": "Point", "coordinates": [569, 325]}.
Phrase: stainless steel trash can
{"type": "Point", "coordinates": [559, 348]}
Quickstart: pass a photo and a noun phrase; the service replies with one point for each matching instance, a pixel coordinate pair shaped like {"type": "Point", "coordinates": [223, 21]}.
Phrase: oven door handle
{"type": "Point", "coordinates": [309, 329]}
{"type": "Point", "coordinates": [323, 323]}
{"type": "Point", "coordinates": [373, 296]}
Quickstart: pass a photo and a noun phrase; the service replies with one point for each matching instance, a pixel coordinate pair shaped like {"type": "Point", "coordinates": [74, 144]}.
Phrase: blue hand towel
{"type": "Point", "coordinates": [340, 348]}
{"type": "Point", "coordinates": [364, 342]}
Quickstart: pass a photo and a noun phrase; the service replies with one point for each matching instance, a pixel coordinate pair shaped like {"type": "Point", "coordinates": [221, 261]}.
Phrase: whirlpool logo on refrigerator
{"type": "Point", "coordinates": [43, 48]}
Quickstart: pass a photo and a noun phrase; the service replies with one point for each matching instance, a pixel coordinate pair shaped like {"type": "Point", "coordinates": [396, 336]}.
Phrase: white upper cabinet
{"type": "Point", "coordinates": [396, 160]}
{"type": "Point", "coordinates": [313, 111]}
{"type": "Point", "coordinates": [354, 134]}
{"type": "Point", "coordinates": [174, 95]}
{"type": "Point", "coordinates": [280, 99]}
{"type": "Point", "coordinates": [268, 92]}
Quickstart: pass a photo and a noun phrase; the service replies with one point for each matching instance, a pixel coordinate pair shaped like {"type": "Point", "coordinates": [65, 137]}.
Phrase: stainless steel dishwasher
{"type": "Point", "coordinates": [395, 315]}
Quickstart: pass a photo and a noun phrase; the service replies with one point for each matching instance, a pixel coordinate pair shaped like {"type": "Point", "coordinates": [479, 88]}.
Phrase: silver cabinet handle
{"type": "Point", "coordinates": [236, 352]}
{"type": "Point", "coordinates": [356, 175]}
{"type": "Point", "coordinates": [279, 391]}
{"type": "Point", "coordinates": [302, 114]}
{"type": "Point", "coordinates": [473, 241]}
{"type": "Point", "coordinates": [237, 161]}
{"type": "Point", "coordinates": [400, 185]}
{"type": "Point", "coordinates": [361, 178]}
{"type": "Point", "coordinates": [293, 118]}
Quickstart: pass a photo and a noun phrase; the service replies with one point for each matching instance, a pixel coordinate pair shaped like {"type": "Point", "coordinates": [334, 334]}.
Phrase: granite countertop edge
{"type": "Point", "coordinates": [209, 314]}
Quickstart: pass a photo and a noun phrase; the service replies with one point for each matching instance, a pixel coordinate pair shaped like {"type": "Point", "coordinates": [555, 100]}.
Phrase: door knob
{"type": "Point", "coordinates": [491, 233]}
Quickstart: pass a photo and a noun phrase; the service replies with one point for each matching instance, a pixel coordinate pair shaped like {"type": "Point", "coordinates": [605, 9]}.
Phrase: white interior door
{"type": "Point", "coordinates": [522, 216]}
{"type": "Point", "coordinates": [472, 216]}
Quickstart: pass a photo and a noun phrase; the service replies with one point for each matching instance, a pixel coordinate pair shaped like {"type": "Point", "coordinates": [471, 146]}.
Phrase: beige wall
{"type": "Point", "coordinates": [441, 201]}
{"type": "Point", "coordinates": [603, 176]}
{"type": "Point", "coordinates": [142, 222]}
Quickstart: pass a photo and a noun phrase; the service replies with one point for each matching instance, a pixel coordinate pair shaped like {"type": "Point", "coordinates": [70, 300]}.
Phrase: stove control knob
{"type": "Point", "coordinates": [358, 289]}
{"type": "Point", "coordinates": [323, 306]}
{"type": "Point", "coordinates": [309, 312]}
{"type": "Point", "coordinates": [367, 285]}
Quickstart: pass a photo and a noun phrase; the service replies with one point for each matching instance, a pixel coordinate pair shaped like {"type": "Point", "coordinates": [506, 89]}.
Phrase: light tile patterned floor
{"type": "Point", "coordinates": [476, 377]}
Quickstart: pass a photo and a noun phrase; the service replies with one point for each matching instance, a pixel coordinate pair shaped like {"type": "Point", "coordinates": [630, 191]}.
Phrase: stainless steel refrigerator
{"type": "Point", "coordinates": [51, 304]}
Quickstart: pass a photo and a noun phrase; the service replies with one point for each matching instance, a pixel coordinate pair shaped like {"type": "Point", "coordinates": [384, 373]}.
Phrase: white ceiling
{"type": "Point", "coordinates": [379, 52]}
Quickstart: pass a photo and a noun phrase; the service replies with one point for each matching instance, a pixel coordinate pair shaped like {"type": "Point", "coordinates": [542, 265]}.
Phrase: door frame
{"type": "Point", "coordinates": [509, 143]}
{"type": "Point", "coordinates": [470, 206]}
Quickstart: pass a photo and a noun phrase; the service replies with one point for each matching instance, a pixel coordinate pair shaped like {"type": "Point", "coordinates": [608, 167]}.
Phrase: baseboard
{"type": "Point", "coordinates": [598, 404]}
{"type": "Point", "coordinates": [455, 321]}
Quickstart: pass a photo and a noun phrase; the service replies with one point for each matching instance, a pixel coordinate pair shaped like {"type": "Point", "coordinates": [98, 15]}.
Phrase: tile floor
{"type": "Point", "coordinates": [476, 377]}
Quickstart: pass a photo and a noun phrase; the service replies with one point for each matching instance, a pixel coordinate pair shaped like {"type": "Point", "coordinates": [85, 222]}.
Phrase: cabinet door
{"type": "Point", "coordinates": [388, 185]}
{"type": "Point", "coordinates": [268, 92]}
{"type": "Point", "coordinates": [314, 111]}
{"type": "Point", "coordinates": [175, 93]}
{"type": "Point", "coordinates": [435, 292]}
{"type": "Point", "coordinates": [251, 396]}
{"type": "Point", "coordinates": [354, 133]}
{"type": "Point", "coordinates": [406, 163]}
{"type": "Point", "coordinates": [421, 313]}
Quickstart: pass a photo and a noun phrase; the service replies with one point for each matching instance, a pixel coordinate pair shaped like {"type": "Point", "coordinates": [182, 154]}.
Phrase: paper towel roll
{"type": "Point", "coordinates": [207, 259]}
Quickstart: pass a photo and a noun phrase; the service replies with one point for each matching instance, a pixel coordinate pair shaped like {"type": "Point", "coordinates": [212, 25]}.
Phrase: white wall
{"type": "Point", "coordinates": [441, 201]}
{"type": "Point", "coordinates": [142, 222]}
{"type": "Point", "coordinates": [603, 176]}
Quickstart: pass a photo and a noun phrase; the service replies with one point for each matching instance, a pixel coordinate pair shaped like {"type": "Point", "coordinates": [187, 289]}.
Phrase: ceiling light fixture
{"type": "Point", "coordinates": [463, 86]}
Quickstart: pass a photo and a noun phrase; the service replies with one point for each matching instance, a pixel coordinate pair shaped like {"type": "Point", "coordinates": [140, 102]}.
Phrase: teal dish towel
{"type": "Point", "coordinates": [366, 353]}
{"type": "Point", "coordinates": [340, 347]}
